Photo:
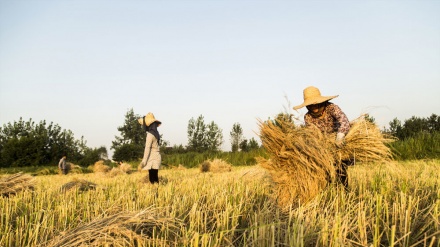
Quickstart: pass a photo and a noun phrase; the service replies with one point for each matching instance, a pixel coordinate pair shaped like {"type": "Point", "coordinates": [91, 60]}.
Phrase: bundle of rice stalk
{"type": "Point", "coordinates": [99, 166]}
{"type": "Point", "coordinates": [11, 185]}
{"type": "Point", "coordinates": [80, 184]}
{"type": "Point", "coordinates": [122, 229]}
{"type": "Point", "coordinates": [74, 168]}
{"type": "Point", "coordinates": [364, 143]}
{"type": "Point", "coordinates": [115, 171]}
{"type": "Point", "coordinates": [179, 167]}
{"type": "Point", "coordinates": [216, 166]}
{"type": "Point", "coordinates": [301, 161]}
{"type": "Point", "coordinates": [125, 167]}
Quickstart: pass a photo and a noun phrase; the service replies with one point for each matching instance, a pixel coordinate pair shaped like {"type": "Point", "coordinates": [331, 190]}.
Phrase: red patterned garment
{"type": "Point", "coordinates": [333, 119]}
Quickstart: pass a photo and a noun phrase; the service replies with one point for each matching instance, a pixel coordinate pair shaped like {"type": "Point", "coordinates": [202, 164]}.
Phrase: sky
{"type": "Point", "coordinates": [84, 64]}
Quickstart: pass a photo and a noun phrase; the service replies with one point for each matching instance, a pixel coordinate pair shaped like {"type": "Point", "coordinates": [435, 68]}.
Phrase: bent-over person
{"type": "Point", "coordinates": [329, 118]}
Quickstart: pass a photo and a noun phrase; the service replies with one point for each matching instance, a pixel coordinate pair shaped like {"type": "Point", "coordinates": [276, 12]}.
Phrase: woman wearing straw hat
{"type": "Point", "coordinates": [329, 118]}
{"type": "Point", "coordinates": [152, 159]}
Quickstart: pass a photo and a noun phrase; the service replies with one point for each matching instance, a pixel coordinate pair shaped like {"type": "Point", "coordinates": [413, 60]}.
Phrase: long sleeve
{"type": "Point", "coordinates": [152, 158]}
{"type": "Point", "coordinates": [333, 120]}
{"type": "Point", "coordinates": [341, 118]}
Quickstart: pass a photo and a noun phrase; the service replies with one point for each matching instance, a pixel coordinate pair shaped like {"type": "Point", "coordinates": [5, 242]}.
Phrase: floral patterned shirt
{"type": "Point", "coordinates": [333, 119]}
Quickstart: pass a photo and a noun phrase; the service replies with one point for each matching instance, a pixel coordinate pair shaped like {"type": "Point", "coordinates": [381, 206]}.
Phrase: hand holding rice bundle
{"type": "Point", "coordinates": [305, 159]}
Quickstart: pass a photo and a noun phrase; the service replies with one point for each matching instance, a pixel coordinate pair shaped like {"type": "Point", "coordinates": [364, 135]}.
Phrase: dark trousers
{"type": "Point", "coordinates": [342, 175]}
{"type": "Point", "coordinates": [153, 175]}
{"type": "Point", "coordinates": [65, 171]}
{"type": "Point", "coordinates": [341, 172]}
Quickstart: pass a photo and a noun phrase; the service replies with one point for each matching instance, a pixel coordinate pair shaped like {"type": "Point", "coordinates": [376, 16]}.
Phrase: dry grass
{"type": "Point", "coordinates": [99, 166]}
{"type": "Point", "coordinates": [303, 160]}
{"type": "Point", "coordinates": [121, 229]}
{"type": "Point", "coordinates": [215, 166]}
{"type": "Point", "coordinates": [76, 169]}
{"type": "Point", "coordinates": [389, 204]}
{"type": "Point", "coordinates": [11, 185]}
{"type": "Point", "coordinates": [125, 167]}
{"type": "Point", "coordinates": [80, 184]}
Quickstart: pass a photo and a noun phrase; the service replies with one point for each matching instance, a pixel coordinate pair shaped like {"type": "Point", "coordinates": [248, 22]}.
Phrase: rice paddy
{"type": "Point", "coordinates": [388, 204]}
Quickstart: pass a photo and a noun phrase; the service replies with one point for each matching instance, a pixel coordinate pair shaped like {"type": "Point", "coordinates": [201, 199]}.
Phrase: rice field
{"type": "Point", "coordinates": [389, 204]}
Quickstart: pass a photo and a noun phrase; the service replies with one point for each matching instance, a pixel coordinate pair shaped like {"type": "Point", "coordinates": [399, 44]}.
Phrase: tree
{"type": "Point", "coordinates": [396, 128]}
{"type": "Point", "coordinates": [369, 118]}
{"type": "Point", "coordinates": [253, 144]}
{"type": "Point", "coordinates": [196, 134]}
{"type": "Point", "coordinates": [202, 137]}
{"type": "Point", "coordinates": [128, 152]}
{"type": "Point", "coordinates": [244, 146]}
{"type": "Point", "coordinates": [433, 123]}
{"type": "Point", "coordinates": [132, 138]}
{"type": "Point", "coordinates": [214, 137]}
{"type": "Point", "coordinates": [29, 144]}
{"type": "Point", "coordinates": [236, 136]}
{"type": "Point", "coordinates": [414, 126]}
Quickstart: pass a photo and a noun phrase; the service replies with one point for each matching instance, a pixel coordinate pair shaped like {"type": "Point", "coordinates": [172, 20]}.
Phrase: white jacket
{"type": "Point", "coordinates": [152, 158]}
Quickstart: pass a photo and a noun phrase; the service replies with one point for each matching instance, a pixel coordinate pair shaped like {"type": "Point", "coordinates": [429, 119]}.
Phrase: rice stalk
{"type": "Point", "coordinates": [99, 166]}
{"type": "Point", "coordinates": [122, 229]}
{"type": "Point", "coordinates": [303, 160]}
{"type": "Point", "coordinates": [11, 185]}
{"type": "Point", "coordinates": [80, 184]}
{"type": "Point", "coordinates": [215, 166]}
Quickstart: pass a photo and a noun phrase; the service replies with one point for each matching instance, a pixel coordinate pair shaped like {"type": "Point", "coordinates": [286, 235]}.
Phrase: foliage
{"type": "Point", "coordinates": [422, 145]}
{"type": "Point", "coordinates": [128, 152]}
{"type": "Point", "coordinates": [203, 137]}
{"type": "Point", "coordinates": [196, 134]}
{"type": "Point", "coordinates": [370, 118]}
{"type": "Point", "coordinates": [246, 146]}
{"type": "Point", "coordinates": [194, 159]}
{"type": "Point", "coordinates": [131, 132]}
{"type": "Point", "coordinates": [236, 137]}
{"type": "Point", "coordinates": [414, 125]}
{"type": "Point", "coordinates": [92, 155]}
{"type": "Point", "coordinates": [29, 144]}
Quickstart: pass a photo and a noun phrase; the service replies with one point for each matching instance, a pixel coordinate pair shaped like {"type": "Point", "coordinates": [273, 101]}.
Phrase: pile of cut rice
{"type": "Point", "coordinates": [303, 160]}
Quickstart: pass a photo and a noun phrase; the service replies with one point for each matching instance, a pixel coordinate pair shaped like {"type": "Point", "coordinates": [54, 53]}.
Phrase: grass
{"type": "Point", "coordinates": [421, 146]}
{"type": "Point", "coordinates": [389, 204]}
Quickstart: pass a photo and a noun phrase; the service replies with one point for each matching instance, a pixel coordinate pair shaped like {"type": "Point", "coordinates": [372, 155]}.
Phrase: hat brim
{"type": "Point", "coordinates": [315, 100]}
{"type": "Point", "coordinates": [140, 121]}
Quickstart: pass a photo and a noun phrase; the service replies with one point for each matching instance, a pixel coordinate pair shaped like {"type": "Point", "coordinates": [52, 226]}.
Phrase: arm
{"type": "Point", "coordinates": [341, 118]}
{"type": "Point", "coordinates": [147, 151]}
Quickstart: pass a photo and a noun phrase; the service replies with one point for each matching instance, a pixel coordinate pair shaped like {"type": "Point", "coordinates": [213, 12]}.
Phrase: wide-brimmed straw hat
{"type": "Point", "coordinates": [149, 119]}
{"type": "Point", "coordinates": [312, 96]}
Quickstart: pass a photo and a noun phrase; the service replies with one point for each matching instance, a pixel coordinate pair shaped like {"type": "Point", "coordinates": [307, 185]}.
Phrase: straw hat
{"type": "Point", "coordinates": [149, 119]}
{"type": "Point", "coordinates": [312, 96]}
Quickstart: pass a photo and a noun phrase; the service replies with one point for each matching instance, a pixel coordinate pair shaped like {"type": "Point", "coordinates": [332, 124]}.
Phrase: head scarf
{"type": "Point", "coordinates": [152, 129]}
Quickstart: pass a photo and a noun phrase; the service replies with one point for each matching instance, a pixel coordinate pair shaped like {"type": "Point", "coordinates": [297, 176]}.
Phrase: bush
{"type": "Point", "coordinates": [421, 146]}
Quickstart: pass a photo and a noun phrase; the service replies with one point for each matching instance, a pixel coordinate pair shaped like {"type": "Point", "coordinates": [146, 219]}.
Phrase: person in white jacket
{"type": "Point", "coordinates": [152, 158]}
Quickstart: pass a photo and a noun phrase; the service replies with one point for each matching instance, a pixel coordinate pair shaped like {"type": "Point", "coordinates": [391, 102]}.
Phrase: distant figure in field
{"type": "Point", "coordinates": [152, 159]}
{"type": "Point", "coordinates": [63, 166]}
{"type": "Point", "coordinates": [329, 118]}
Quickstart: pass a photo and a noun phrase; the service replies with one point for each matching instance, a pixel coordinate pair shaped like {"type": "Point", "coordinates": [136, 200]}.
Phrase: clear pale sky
{"type": "Point", "coordinates": [84, 64]}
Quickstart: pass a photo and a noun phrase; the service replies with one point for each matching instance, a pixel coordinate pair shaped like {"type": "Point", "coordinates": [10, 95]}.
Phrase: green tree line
{"type": "Point", "coordinates": [26, 143]}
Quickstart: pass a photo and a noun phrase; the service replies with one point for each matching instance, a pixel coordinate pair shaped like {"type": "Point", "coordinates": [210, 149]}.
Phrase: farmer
{"type": "Point", "coordinates": [329, 118]}
{"type": "Point", "coordinates": [152, 158]}
{"type": "Point", "coordinates": [62, 165]}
